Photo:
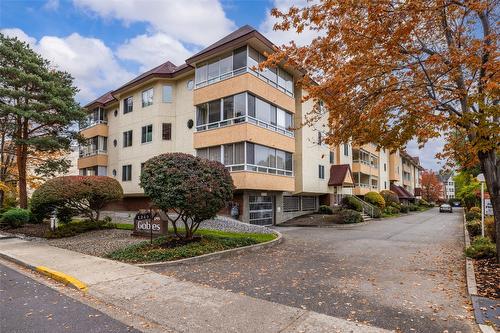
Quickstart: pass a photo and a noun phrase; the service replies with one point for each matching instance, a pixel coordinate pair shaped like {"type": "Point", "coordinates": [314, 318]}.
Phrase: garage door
{"type": "Point", "coordinates": [261, 210]}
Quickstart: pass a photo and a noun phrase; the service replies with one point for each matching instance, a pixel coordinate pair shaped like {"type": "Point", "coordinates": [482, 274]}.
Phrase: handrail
{"type": "Point", "coordinates": [365, 206]}
{"type": "Point", "coordinates": [244, 119]}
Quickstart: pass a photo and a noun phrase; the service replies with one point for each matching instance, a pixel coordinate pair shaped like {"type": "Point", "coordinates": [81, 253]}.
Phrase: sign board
{"type": "Point", "coordinates": [488, 207]}
{"type": "Point", "coordinates": [149, 222]}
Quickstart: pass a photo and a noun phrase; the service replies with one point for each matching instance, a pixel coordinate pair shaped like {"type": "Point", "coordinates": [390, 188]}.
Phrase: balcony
{"type": "Point", "coordinates": [259, 168]}
{"type": "Point", "coordinates": [91, 159]}
{"type": "Point", "coordinates": [97, 128]}
{"type": "Point", "coordinates": [245, 119]}
{"type": "Point", "coordinates": [245, 131]}
{"type": "Point", "coordinates": [248, 180]}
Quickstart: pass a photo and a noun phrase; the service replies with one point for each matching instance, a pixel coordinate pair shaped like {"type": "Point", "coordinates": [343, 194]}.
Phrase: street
{"type": "Point", "coordinates": [29, 306]}
{"type": "Point", "coordinates": [404, 273]}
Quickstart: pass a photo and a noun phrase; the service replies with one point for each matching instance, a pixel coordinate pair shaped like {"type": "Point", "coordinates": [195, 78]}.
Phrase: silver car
{"type": "Point", "coordinates": [445, 208]}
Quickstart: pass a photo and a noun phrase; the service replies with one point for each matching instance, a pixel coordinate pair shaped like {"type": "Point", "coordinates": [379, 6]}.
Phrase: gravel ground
{"type": "Point", "coordinates": [231, 225]}
{"type": "Point", "coordinates": [98, 242]}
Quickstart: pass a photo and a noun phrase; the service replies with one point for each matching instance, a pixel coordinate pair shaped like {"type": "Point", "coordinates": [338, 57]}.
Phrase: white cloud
{"type": "Point", "coordinates": [51, 5]}
{"type": "Point", "coordinates": [21, 35]}
{"type": "Point", "coordinates": [199, 22]}
{"type": "Point", "coordinates": [428, 153]}
{"type": "Point", "coordinates": [92, 64]}
{"type": "Point", "coordinates": [152, 50]}
{"type": "Point", "coordinates": [284, 37]}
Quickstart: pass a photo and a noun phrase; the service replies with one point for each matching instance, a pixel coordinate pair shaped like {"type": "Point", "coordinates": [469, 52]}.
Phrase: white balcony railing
{"type": "Point", "coordinates": [372, 165]}
{"type": "Point", "coordinates": [92, 152]}
{"type": "Point", "coordinates": [92, 123]}
{"type": "Point", "coordinates": [244, 119]}
{"type": "Point", "coordinates": [259, 168]}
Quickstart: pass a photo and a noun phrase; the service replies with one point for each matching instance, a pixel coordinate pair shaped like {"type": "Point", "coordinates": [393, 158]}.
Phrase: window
{"type": "Point", "coordinates": [226, 65]}
{"type": "Point", "coordinates": [269, 159]}
{"type": "Point", "coordinates": [128, 105]}
{"type": "Point", "coordinates": [240, 58]}
{"type": "Point", "coordinates": [228, 107]}
{"type": "Point", "coordinates": [346, 149]}
{"type": "Point", "coordinates": [167, 94]}
{"type": "Point", "coordinates": [166, 131]}
{"type": "Point", "coordinates": [201, 114]}
{"type": "Point", "coordinates": [291, 203]}
{"type": "Point", "coordinates": [319, 138]}
{"type": "Point", "coordinates": [321, 171]}
{"type": "Point", "coordinates": [214, 111]}
{"type": "Point", "coordinates": [308, 203]}
{"type": "Point", "coordinates": [127, 172]}
{"type": "Point", "coordinates": [127, 138]}
{"type": "Point", "coordinates": [201, 73]}
{"type": "Point", "coordinates": [147, 97]}
{"type": "Point", "coordinates": [332, 158]}
{"type": "Point", "coordinates": [147, 134]}
{"type": "Point", "coordinates": [385, 185]}
{"type": "Point", "coordinates": [213, 70]}
{"type": "Point", "coordinates": [239, 105]}
{"type": "Point", "coordinates": [385, 167]}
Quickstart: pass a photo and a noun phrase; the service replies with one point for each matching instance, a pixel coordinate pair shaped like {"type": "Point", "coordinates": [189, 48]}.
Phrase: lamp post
{"type": "Point", "coordinates": [481, 179]}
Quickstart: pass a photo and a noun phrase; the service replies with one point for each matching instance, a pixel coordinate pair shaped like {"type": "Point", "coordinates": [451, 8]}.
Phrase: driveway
{"type": "Point", "coordinates": [404, 273]}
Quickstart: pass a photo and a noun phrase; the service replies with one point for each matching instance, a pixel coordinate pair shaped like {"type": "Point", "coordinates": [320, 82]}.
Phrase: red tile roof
{"type": "Point", "coordinates": [338, 174]}
{"type": "Point", "coordinates": [401, 192]}
{"type": "Point", "coordinates": [102, 100]}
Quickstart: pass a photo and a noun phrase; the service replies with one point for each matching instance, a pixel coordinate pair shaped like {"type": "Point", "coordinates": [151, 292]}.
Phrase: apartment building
{"type": "Point", "coordinates": [448, 185]}
{"type": "Point", "coordinates": [218, 106]}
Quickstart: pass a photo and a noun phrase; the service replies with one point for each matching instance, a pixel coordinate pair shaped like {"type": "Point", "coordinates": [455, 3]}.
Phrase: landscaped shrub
{"type": "Point", "coordinates": [349, 216]}
{"type": "Point", "coordinates": [75, 228]}
{"type": "Point", "coordinates": [351, 203]}
{"type": "Point", "coordinates": [84, 195]}
{"type": "Point", "coordinates": [404, 209]}
{"type": "Point", "coordinates": [389, 197]}
{"type": "Point", "coordinates": [65, 214]}
{"type": "Point", "coordinates": [390, 210]}
{"type": "Point", "coordinates": [474, 228]}
{"type": "Point", "coordinates": [375, 199]}
{"type": "Point", "coordinates": [413, 207]}
{"type": "Point", "coordinates": [489, 228]}
{"type": "Point", "coordinates": [15, 217]}
{"type": "Point", "coordinates": [481, 248]}
{"type": "Point", "coordinates": [476, 210]}
{"type": "Point", "coordinates": [423, 203]}
{"type": "Point", "coordinates": [377, 213]}
{"type": "Point", "coordinates": [473, 214]}
{"type": "Point", "coordinates": [194, 187]}
{"type": "Point", "coordinates": [323, 209]}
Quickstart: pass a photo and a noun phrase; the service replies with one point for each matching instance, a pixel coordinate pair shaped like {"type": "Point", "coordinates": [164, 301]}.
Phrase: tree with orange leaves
{"type": "Point", "coordinates": [432, 188]}
{"type": "Point", "coordinates": [390, 71]}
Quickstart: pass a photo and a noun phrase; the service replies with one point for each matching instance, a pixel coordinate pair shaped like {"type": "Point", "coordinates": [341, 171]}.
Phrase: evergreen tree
{"type": "Point", "coordinates": [39, 103]}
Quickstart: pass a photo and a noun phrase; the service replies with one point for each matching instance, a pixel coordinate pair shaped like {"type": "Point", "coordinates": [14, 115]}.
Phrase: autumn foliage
{"type": "Point", "coordinates": [391, 71]}
{"type": "Point", "coordinates": [82, 195]}
{"type": "Point", "coordinates": [432, 188]}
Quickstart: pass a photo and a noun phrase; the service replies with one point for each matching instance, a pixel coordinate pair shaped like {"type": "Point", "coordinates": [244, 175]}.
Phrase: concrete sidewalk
{"type": "Point", "coordinates": [176, 305]}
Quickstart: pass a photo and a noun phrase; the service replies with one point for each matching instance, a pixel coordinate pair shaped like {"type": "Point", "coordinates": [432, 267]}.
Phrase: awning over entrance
{"type": "Point", "coordinates": [340, 175]}
{"type": "Point", "coordinates": [401, 192]}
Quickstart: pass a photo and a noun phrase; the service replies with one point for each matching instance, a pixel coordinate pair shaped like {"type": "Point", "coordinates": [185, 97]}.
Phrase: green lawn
{"type": "Point", "coordinates": [211, 241]}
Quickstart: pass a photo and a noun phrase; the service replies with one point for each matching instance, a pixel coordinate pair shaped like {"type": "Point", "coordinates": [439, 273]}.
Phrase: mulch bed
{"type": "Point", "coordinates": [314, 220]}
{"type": "Point", "coordinates": [487, 278]}
{"type": "Point", "coordinates": [31, 230]}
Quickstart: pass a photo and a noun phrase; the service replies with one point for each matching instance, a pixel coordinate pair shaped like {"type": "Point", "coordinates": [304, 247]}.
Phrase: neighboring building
{"type": "Point", "coordinates": [448, 184]}
{"type": "Point", "coordinates": [217, 106]}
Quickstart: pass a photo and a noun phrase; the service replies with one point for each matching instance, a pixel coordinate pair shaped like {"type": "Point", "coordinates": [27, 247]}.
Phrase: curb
{"type": "Point", "coordinates": [66, 279]}
{"type": "Point", "coordinates": [470, 277]}
{"type": "Point", "coordinates": [216, 255]}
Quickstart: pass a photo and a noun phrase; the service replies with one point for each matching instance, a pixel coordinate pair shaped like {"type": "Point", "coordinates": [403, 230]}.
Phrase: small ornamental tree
{"type": "Point", "coordinates": [84, 195]}
{"type": "Point", "coordinates": [194, 188]}
{"type": "Point", "coordinates": [389, 197]}
{"type": "Point", "coordinates": [375, 199]}
{"type": "Point", "coordinates": [432, 188]}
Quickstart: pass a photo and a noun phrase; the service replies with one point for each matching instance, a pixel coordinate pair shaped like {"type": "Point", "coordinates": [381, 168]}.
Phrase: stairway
{"type": "Point", "coordinates": [366, 217]}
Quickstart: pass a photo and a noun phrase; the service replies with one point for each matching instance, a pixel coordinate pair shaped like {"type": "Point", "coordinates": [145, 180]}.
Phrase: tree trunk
{"type": "Point", "coordinates": [490, 166]}
{"type": "Point", "coordinates": [21, 170]}
{"type": "Point", "coordinates": [2, 195]}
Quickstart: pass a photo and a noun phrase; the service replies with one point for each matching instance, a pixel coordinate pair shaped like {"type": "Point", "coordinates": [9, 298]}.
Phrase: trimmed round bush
{"type": "Point", "coordinates": [389, 197]}
{"type": "Point", "coordinates": [375, 199]}
{"type": "Point", "coordinates": [194, 187]}
{"type": "Point", "coordinates": [481, 248]}
{"type": "Point", "coordinates": [472, 215]}
{"type": "Point", "coordinates": [15, 217]}
{"type": "Point", "coordinates": [351, 203]}
{"type": "Point", "coordinates": [404, 209]}
{"type": "Point", "coordinates": [75, 195]}
{"type": "Point", "coordinates": [423, 203]}
{"type": "Point", "coordinates": [350, 216]}
{"type": "Point", "coordinates": [324, 209]}
{"type": "Point", "coordinates": [390, 210]}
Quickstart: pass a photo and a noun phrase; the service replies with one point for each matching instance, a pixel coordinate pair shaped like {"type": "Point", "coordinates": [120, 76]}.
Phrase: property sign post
{"type": "Point", "coordinates": [480, 177]}
{"type": "Point", "coordinates": [149, 223]}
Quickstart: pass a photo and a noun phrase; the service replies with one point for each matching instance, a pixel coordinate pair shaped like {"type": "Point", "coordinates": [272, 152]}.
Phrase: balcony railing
{"type": "Point", "coordinates": [92, 152]}
{"type": "Point", "coordinates": [244, 119]}
{"type": "Point", "coordinates": [372, 165]}
{"type": "Point", "coordinates": [240, 71]}
{"type": "Point", "coordinates": [362, 185]}
{"type": "Point", "coordinates": [92, 123]}
{"type": "Point", "coordinates": [259, 168]}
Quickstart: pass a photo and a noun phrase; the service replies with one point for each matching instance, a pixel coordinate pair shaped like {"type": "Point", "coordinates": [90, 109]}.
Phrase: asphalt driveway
{"type": "Point", "coordinates": [404, 273]}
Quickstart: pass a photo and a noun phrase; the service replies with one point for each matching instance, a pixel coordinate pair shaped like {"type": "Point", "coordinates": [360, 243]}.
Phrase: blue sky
{"type": "Point", "coordinates": [104, 43]}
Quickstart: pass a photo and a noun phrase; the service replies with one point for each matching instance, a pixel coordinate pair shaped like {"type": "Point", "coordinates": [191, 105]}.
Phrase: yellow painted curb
{"type": "Point", "coordinates": [61, 277]}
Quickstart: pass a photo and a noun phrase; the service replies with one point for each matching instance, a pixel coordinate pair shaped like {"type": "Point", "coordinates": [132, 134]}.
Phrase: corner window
{"type": "Point", "coordinates": [346, 149]}
{"type": "Point", "coordinates": [147, 97]}
{"type": "Point", "coordinates": [332, 157]}
{"type": "Point", "coordinates": [320, 139]}
{"type": "Point", "coordinates": [147, 134]}
{"type": "Point", "coordinates": [127, 138]}
{"type": "Point", "coordinates": [128, 105]}
{"type": "Point", "coordinates": [127, 172]}
{"type": "Point", "coordinates": [167, 94]}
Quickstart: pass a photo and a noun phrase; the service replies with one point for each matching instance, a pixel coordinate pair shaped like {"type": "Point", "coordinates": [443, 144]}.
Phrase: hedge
{"type": "Point", "coordinates": [375, 199]}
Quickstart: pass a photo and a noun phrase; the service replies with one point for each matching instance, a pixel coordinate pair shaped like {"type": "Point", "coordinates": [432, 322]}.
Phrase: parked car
{"type": "Point", "coordinates": [445, 208]}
